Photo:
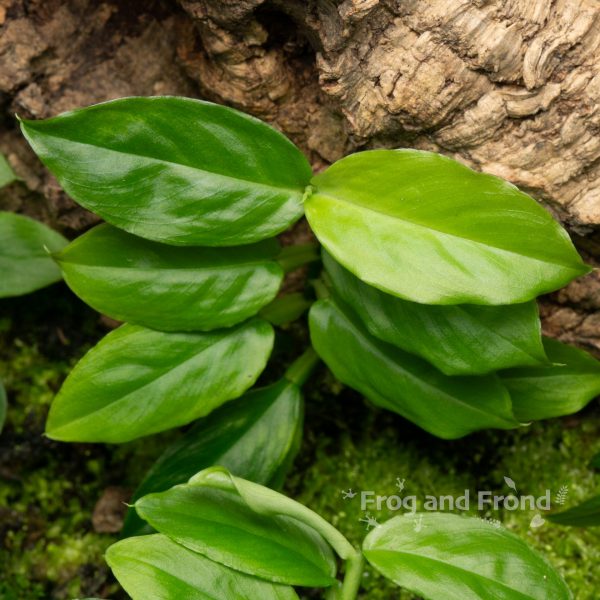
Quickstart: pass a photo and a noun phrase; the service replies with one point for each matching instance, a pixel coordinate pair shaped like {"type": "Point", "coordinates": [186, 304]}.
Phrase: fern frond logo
{"type": "Point", "coordinates": [561, 495]}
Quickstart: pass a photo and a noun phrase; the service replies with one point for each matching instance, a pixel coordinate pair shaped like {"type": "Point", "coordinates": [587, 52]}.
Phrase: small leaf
{"type": "Point", "coordinates": [433, 231]}
{"type": "Point", "coordinates": [7, 175]}
{"type": "Point", "coordinates": [2, 406]}
{"type": "Point", "coordinates": [24, 260]}
{"type": "Point", "coordinates": [595, 462]}
{"type": "Point", "coordinates": [285, 309]}
{"type": "Point", "coordinates": [210, 516]}
{"type": "Point", "coordinates": [154, 567]}
{"type": "Point", "coordinates": [175, 170]}
{"type": "Point", "coordinates": [137, 381]}
{"type": "Point", "coordinates": [463, 339]}
{"type": "Point", "coordinates": [448, 407]}
{"type": "Point", "coordinates": [586, 514]}
{"type": "Point", "coordinates": [555, 390]}
{"type": "Point", "coordinates": [510, 483]}
{"type": "Point", "coordinates": [461, 558]}
{"type": "Point", "coordinates": [168, 288]}
{"type": "Point", "coordinates": [254, 437]}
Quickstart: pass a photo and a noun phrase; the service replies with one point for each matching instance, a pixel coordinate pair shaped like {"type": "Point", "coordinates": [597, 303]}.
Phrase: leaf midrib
{"type": "Point", "coordinates": [444, 233]}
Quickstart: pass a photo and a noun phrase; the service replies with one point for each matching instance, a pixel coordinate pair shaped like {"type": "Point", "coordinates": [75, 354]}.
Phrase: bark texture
{"type": "Point", "coordinates": [511, 87]}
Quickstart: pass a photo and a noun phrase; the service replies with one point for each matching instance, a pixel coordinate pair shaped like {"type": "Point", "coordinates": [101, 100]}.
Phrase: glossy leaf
{"type": "Point", "coordinates": [209, 515]}
{"type": "Point", "coordinates": [559, 389]}
{"type": "Point", "coordinates": [425, 228]}
{"type": "Point", "coordinates": [137, 381]}
{"type": "Point", "coordinates": [460, 558]}
{"type": "Point", "coordinates": [6, 173]}
{"type": "Point", "coordinates": [169, 288]}
{"type": "Point", "coordinates": [448, 407]}
{"type": "Point", "coordinates": [175, 170]}
{"type": "Point", "coordinates": [154, 567]}
{"type": "Point", "coordinates": [2, 406]}
{"type": "Point", "coordinates": [25, 264]}
{"type": "Point", "coordinates": [254, 437]}
{"type": "Point", "coordinates": [586, 514]}
{"type": "Point", "coordinates": [462, 339]}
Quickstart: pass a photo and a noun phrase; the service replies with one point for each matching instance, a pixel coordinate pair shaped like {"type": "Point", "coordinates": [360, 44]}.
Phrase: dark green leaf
{"type": "Point", "coordinates": [285, 309]}
{"type": "Point", "coordinates": [211, 516]}
{"type": "Point", "coordinates": [586, 514]}
{"type": "Point", "coordinates": [6, 173]}
{"type": "Point", "coordinates": [175, 170]}
{"type": "Point", "coordinates": [595, 462]}
{"type": "Point", "coordinates": [428, 229]}
{"type": "Point", "coordinates": [169, 288]}
{"type": "Point", "coordinates": [554, 390]}
{"type": "Point", "coordinates": [253, 437]}
{"type": "Point", "coordinates": [25, 263]}
{"type": "Point", "coordinates": [460, 558]}
{"type": "Point", "coordinates": [2, 406]}
{"type": "Point", "coordinates": [154, 567]}
{"type": "Point", "coordinates": [462, 339]}
{"type": "Point", "coordinates": [449, 407]}
{"type": "Point", "coordinates": [138, 381]}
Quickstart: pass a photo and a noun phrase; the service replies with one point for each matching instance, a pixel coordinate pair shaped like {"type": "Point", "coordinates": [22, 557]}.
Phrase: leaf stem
{"type": "Point", "coordinates": [352, 576]}
{"type": "Point", "coordinates": [294, 257]}
{"type": "Point", "coordinates": [299, 371]}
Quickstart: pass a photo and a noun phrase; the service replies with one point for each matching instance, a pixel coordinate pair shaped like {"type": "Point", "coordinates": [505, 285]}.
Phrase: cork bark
{"type": "Point", "coordinates": [510, 87]}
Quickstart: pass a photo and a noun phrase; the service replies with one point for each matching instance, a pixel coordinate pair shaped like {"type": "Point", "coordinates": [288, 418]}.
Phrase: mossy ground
{"type": "Point", "coordinates": [48, 548]}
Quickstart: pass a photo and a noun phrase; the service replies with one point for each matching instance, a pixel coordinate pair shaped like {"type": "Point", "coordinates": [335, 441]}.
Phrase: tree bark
{"type": "Point", "coordinates": [511, 87]}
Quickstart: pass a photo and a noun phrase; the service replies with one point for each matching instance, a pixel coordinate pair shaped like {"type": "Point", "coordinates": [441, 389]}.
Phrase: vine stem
{"type": "Point", "coordinates": [352, 576]}
{"type": "Point", "coordinates": [299, 371]}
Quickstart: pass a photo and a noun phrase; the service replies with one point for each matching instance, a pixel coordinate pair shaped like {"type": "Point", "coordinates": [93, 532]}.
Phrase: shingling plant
{"type": "Point", "coordinates": [426, 305]}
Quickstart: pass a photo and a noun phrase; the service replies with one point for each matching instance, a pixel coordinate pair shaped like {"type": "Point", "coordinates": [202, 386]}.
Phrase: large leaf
{"type": "Point", "coordinates": [462, 339]}
{"type": "Point", "coordinates": [460, 558]}
{"type": "Point", "coordinates": [175, 170]}
{"type": "Point", "coordinates": [137, 381]}
{"type": "Point", "coordinates": [428, 229]}
{"type": "Point", "coordinates": [2, 406]}
{"type": "Point", "coordinates": [169, 288]}
{"type": "Point", "coordinates": [7, 175]}
{"type": "Point", "coordinates": [586, 514]}
{"type": "Point", "coordinates": [154, 567]}
{"type": "Point", "coordinates": [209, 515]}
{"type": "Point", "coordinates": [449, 407]}
{"type": "Point", "coordinates": [253, 437]}
{"type": "Point", "coordinates": [558, 389]}
{"type": "Point", "coordinates": [25, 263]}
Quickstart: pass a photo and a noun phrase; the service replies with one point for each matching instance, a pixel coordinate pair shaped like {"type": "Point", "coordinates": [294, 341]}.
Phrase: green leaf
{"type": "Point", "coordinates": [7, 175]}
{"type": "Point", "coordinates": [586, 514]}
{"type": "Point", "coordinates": [138, 381]}
{"type": "Point", "coordinates": [175, 170]}
{"type": "Point", "coordinates": [285, 309]}
{"type": "Point", "coordinates": [211, 516]}
{"type": "Point", "coordinates": [462, 339]}
{"type": "Point", "coordinates": [2, 406]}
{"type": "Point", "coordinates": [428, 229]}
{"type": "Point", "coordinates": [253, 437]}
{"type": "Point", "coordinates": [555, 390]}
{"type": "Point", "coordinates": [153, 567]}
{"type": "Point", "coordinates": [595, 462]}
{"type": "Point", "coordinates": [169, 288]}
{"type": "Point", "coordinates": [460, 558]}
{"type": "Point", "coordinates": [24, 260]}
{"type": "Point", "coordinates": [448, 407]}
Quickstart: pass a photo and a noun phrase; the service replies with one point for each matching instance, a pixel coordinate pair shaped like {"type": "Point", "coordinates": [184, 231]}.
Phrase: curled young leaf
{"type": "Point", "coordinates": [461, 339]}
{"type": "Point", "coordinates": [431, 230]}
{"type": "Point", "coordinates": [558, 389]}
{"type": "Point", "coordinates": [154, 567]}
{"type": "Point", "coordinates": [137, 381]}
{"type": "Point", "coordinates": [175, 170]}
{"type": "Point", "coordinates": [210, 515]}
{"type": "Point", "coordinates": [170, 288]}
{"type": "Point", "coordinates": [254, 437]}
{"type": "Point", "coordinates": [25, 263]}
{"type": "Point", "coordinates": [448, 407]}
{"type": "Point", "coordinates": [460, 558]}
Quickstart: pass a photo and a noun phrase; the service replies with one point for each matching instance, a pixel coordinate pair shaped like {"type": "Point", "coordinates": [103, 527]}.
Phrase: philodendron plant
{"type": "Point", "coordinates": [426, 305]}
